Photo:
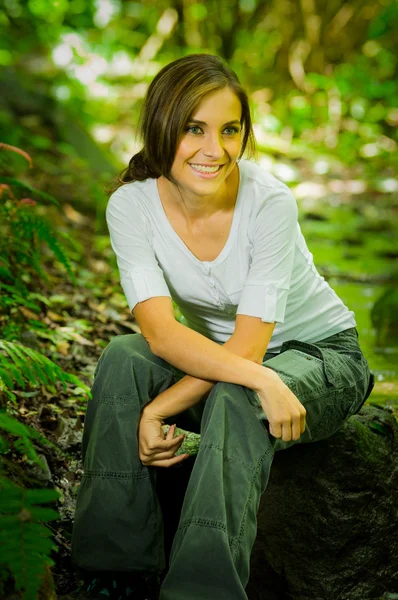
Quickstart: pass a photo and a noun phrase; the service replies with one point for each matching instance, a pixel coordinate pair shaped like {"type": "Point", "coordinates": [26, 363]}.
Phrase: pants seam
{"type": "Point", "coordinates": [93, 474]}
{"type": "Point", "coordinates": [202, 522]}
{"type": "Point", "coordinates": [112, 399]}
{"type": "Point", "coordinates": [237, 541]}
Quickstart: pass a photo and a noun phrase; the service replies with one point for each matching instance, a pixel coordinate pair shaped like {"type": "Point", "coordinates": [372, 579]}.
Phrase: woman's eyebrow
{"type": "Point", "coordinates": [204, 123]}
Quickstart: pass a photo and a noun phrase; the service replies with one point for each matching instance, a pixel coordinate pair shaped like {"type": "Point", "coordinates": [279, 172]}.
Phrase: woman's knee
{"type": "Point", "coordinates": [130, 344]}
{"type": "Point", "coordinates": [120, 348]}
{"type": "Point", "coordinates": [229, 391]}
{"type": "Point", "coordinates": [227, 398]}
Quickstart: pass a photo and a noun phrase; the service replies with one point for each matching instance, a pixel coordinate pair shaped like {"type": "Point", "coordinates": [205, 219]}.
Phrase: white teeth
{"type": "Point", "coordinates": [203, 169]}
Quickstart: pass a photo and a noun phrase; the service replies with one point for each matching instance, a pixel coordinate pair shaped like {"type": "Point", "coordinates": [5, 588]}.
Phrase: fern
{"type": "Point", "coordinates": [17, 297]}
{"type": "Point", "coordinates": [23, 230]}
{"type": "Point", "coordinates": [23, 445]}
{"type": "Point", "coordinates": [25, 543]}
{"type": "Point", "coordinates": [29, 230]}
{"type": "Point", "coordinates": [21, 365]}
{"type": "Point", "coordinates": [35, 193]}
{"type": "Point", "coordinates": [45, 234]}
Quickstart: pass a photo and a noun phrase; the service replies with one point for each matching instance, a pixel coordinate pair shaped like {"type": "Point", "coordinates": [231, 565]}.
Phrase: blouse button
{"type": "Point", "coordinates": [212, 284]}
{"type": "Point", "coordinates": [271, 289]}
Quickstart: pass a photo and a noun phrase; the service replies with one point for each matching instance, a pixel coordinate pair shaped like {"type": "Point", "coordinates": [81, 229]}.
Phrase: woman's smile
{"type": "Point", "coordinates": [206, 172]}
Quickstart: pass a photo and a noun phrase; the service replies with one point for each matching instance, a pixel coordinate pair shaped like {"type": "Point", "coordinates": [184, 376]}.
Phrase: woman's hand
{"type": "Point", "coordinates": [156, 449]}
{"type": "Point", "coordinates": [285, 413]}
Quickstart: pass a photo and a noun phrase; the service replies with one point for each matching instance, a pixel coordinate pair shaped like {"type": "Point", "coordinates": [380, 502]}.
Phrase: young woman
{"type": "Point", "coordinates": [267, 355]}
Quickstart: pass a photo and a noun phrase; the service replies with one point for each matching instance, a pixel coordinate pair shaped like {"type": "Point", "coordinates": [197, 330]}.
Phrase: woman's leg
{"type": "Point", "coordinates": [118, 524]}
{"type": "Point", "coordinates": [210, 558]}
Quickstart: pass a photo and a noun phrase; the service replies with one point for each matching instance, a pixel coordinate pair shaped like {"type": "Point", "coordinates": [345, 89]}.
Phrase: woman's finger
{"type": "Point", "coordinates": [170, 432]}
{"type": "Point", "coordinates": [149, 458]}
{"type": "Point", "coordinates": [287, 431]}
{"type": "Point", "coordinates": [302, 423]}
{"type": "Point", "coordinates": [275, 429]}
{"type": "Point", "coordinates": [168, 462]}
{"type": "Point", "coordinates": [296, 427]}
{"type": "Point", "coordinates": [168, 444]}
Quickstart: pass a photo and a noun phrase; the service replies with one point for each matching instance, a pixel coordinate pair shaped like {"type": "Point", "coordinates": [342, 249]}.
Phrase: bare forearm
{"type": "Point", "coordinates": [189, 390]}
{"type": "Point", "coordinates": [179, 397]}
{"type": "Point", "coordinates": [205, 363]}
{"type": "Point", "coordinates": [198, 356]}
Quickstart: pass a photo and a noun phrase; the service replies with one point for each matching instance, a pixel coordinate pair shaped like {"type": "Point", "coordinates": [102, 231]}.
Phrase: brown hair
{"type": "Point", "coordinates": [172, 97]}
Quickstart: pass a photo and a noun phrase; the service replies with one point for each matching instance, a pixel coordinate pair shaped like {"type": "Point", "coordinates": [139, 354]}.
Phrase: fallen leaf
{"type": "Point", "coordinates": [82, 340]}
{"type": "Point", "coordinates": [54, 316]}
{"type": "Point", "coordinates": [74, 216]}
{"type": "Point", "coordinates": [28, 313]}
{"type": "Point", "coordinates": [62, 347]}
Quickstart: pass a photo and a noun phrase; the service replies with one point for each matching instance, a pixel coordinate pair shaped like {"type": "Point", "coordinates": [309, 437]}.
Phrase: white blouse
{"type": "Point", "coordinates": [265, 269]}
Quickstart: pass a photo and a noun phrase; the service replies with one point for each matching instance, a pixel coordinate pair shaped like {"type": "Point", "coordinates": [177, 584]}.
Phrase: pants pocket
{"type": "Point", "coordinates": [322, 380]}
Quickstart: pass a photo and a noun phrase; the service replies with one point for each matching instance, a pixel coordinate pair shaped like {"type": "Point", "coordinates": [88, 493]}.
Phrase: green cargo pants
{"type": "Point", "coordinates": [118, 522]}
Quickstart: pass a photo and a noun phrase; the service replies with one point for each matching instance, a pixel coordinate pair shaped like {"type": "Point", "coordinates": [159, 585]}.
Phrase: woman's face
{"type": "Point", "coordinates": [212, 139]}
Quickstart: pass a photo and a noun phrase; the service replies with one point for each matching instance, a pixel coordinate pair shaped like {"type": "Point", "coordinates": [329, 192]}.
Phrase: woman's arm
{"type": "Point", "coordinates": [191, 352]}
{"type": "Point", "coordinates": [249, 340]}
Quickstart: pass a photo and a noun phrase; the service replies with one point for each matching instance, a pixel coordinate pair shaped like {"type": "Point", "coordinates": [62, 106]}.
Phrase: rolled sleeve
{"type": "Point", "coordinates": [142, 284]}
{"type": "Point", "coordinates": [266, 289]}
{"type": "Point", "coordinates": [140, 274]}
{"type": "Point", "coordinates": [265, 301]}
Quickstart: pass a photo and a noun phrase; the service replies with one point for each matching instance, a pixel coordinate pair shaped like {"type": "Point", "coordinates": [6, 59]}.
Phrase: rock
{"type": "Point", "coordinates": [39, 473]}
{"type": "Point", "coordinates": [69, 433]}
{"type": "Point", "coordinates": [328, 520]}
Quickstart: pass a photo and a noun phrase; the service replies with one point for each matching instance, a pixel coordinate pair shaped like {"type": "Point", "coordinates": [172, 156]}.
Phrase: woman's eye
{"type": "Point", "coordinates": [232, 130]}
{"type": "Point", "coordinates": [193, 127]}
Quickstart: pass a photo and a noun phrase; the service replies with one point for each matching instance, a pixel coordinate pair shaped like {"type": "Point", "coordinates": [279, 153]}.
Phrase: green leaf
{"type": "Point", "coordinates": [40, 496]}
{"type": "Point", "coordinates": [32, 190]}
{"type": "Point", "coordinates": [43, 514]}
{"type": "Point", "coordinates": [4, 445]}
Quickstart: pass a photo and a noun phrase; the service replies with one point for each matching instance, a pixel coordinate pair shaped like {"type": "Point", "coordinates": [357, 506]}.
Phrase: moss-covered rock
{"type": "Point", "coordinates": [328, 520]}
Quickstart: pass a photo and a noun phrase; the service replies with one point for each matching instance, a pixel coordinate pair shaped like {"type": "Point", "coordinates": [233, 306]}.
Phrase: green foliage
{"type": "Point", "coordinates": [11, 181]}
{"type": "Point", "coordinates": [22, 232]}
{"type": "Point", "coordinates": [25, 543]}
{"type": "Point", "coordinates": [10, 426]}
{"type": "Point", "coordinates": [21, 365]}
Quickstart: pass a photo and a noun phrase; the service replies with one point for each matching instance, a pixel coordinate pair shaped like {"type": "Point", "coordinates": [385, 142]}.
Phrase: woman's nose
{"type": "Point", "coordinates": [213, 146]}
